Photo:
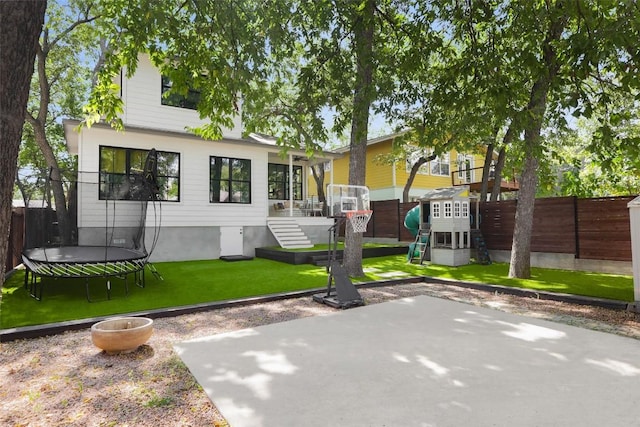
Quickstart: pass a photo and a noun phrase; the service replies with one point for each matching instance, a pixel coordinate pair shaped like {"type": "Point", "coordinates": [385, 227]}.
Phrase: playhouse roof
{"type": "Point", "coordinates": [446, 193]}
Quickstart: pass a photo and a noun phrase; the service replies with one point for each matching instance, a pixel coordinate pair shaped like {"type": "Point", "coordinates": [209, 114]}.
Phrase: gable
{"type": "Point", "coordinates": [142, 98]}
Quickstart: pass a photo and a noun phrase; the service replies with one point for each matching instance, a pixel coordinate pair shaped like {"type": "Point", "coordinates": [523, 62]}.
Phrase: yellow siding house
{"type": "Point", "coordinates": [386, 181]}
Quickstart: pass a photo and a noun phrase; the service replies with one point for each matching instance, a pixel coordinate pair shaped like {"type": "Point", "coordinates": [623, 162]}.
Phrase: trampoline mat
{"type": "Point", "coordinates": [82, 254]}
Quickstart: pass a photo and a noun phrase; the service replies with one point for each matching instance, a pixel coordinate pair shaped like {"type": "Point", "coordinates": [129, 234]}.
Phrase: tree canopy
{"type": "Point", "coordinates": [500, 73]}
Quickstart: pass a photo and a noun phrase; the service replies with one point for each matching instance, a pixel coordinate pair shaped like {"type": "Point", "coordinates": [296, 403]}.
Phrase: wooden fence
{"type": "Point", "coordinates": [588, 228]}
{"type": "Point", "coordinates": [16, 236]}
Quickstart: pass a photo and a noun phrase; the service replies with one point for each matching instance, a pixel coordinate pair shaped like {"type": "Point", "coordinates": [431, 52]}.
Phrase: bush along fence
{"type": "Point", "coordinates": [596, 228]}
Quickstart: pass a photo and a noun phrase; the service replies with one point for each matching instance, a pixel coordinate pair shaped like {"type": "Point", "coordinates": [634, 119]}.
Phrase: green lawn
{"type": "Point", "coordinates": [196, 282]}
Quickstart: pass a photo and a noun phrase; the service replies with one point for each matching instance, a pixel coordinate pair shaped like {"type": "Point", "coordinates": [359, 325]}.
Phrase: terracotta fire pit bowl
{"type": "Point", "coordinates": [121, 334]}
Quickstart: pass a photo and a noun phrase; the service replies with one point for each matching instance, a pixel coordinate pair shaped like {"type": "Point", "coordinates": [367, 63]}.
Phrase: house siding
{"type": "Point", "coordinates": [142, 95]}
{"type": "Point", "coordinates": [378, 173]}
{"type": "Point", "coordinates": [194, 207]}
{"type": "Point", "coordinates": [380, 177]}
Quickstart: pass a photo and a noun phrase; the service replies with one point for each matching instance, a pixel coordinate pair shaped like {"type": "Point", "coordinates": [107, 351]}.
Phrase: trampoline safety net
{"type": "Point", "coordinates": [108, 229]}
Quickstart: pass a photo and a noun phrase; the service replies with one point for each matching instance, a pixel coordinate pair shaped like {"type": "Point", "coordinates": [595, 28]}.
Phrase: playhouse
{"type": "Point", "coordinates": [445, 213]}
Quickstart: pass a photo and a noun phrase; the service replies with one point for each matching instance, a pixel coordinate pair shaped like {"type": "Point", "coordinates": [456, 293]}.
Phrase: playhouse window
{"type": "Point", "coordinates": [447, 209]}
{"type": "Point", "coordinates": [456, 209]}
{"type": "Point", "coordinates": [465, 209]}
{"type": "Point", "coordinates": [279, 182]}
{"type": "Point", "coordinates": [442, 240]}
{"type": "Point", "coordinates": [435, 209]}
{"type": "Point", "coordinates": [118, 165]}
{"type": "Point", "coordinates": [189, 99]}
{"type": "Point", "coordinates": [229, 180]}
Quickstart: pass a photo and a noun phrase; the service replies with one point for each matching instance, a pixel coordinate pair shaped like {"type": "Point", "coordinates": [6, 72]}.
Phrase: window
{"type": "Point", "coordinates": [456, 209]}
{"type": "Point", "coordinates": [465, 168]}
{"type": "Point", "coordinates": [123, 165]}
{"type": "Point", "coordinates": [447, 209]}
{"type": "Point", "coordinates": [440, 165]}
{"type": "Point", "coordinates": [435, 209]}
{"type": "Point", "coordinates": [279, 182]}
{"type": "Point", "coordinates": [465, 209]}
{"type": "Point", "coordinates": [229, 180]}
{"type": "Point", "coordinates": [412, 158]}
{"type": "Point", "coordinates": [189, 100]}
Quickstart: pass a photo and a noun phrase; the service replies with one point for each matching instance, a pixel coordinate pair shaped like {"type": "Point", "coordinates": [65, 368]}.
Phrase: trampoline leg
{"type": "Point", "coordinates": [34, 290]}
{"type": "Point", "coordinates": [155, 272]}
{"type": "Point", "coordinates": [86, 287]}
{"type": "Point", "coordinates": [139, 277]}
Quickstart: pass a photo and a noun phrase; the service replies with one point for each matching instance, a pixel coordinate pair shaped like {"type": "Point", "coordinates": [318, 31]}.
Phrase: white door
{"type": "Point", "coordinates": [231, 241]}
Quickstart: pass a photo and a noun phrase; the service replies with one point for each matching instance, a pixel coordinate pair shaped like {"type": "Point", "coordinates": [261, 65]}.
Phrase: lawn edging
{"type": "Point", "coordinates": [37, 331]}
{"type": "Point", "coordinates": [530, 293]}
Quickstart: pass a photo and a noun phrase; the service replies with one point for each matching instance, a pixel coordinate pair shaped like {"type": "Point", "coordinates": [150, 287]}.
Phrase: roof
{"type": "Point", "coordinates": [72, 137]}
{"type": "Point", "coordinates": [373, 141]}
{"type": "Point", "coordinates": [446, 193]}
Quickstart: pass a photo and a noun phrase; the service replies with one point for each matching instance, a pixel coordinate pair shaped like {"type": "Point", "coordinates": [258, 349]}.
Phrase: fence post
{"type": "Point", "coordinates": [634, 222]}
{"type": "Point", "coordinates": [575, 225]}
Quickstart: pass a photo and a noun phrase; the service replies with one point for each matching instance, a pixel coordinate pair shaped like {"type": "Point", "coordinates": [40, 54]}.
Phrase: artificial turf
{"type": "Point", "coordinates": [195, 282]}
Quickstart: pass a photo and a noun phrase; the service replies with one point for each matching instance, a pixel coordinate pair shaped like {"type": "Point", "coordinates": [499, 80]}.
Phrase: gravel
{"type": "Point", "coordinates": [63, 380]}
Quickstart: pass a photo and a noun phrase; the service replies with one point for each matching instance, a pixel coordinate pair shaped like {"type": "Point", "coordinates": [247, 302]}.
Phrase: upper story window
{"type": "Point", "coordinates": [229, 180]}
{"type": "Point", "coordinates": [412, 159]}
{"type": "Point", "coordinates": [440, 165]}
{"type": "Point", "coordinates": [122, 166]}
{"type": "Point", "coordinates": [189, 100]}
{"type": "Point", "coordinates": [456, 209]}
{"type": "Point", "coordinates": [465, 168]}
{"type": "Point", "coordinates": [278, 181]}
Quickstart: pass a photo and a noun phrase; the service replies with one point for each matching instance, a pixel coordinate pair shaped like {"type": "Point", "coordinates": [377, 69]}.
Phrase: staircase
{"type": "Point", "coordinates": [288, 233]}
{"type": "Point", "coordinates": [482, 253]}
{"type": "Point", "coordinates": [420, 246]}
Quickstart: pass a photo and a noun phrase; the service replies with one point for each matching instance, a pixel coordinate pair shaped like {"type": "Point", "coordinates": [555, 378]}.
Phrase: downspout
{"type": "Point", "coordinates": [393, 177]}
{"type": "Point", "coordinates": [290, 184]}
{"type": "Point", "coordinates": [331, 180]}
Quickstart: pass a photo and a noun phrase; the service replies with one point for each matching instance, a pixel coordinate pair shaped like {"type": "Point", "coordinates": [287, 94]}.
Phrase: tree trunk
{"type": "Point", "coordinates": [412, 176]}
{"type": "Point", "coordinates": [520, 266]}
{"type": "Point", "coordinates": [318, 175]}
{"type": "Point", "coordinates": [55, 179]}
{"type": "Point", "coordinates": [521, 246]}
{"type": "Point", "coordinates": [486, 170]}
{"type": "Point", "coordinates": [20, 26]}
{"type": "Point", "coordinates": [497, 175]}
{"type": "Point", "coordinates": [364, 23]}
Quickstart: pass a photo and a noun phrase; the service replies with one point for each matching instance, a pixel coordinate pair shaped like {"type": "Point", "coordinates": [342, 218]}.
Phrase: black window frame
{"type": "Point", "coordinates": [165, 180]}
{"type": "Point", "coordinates": [189, 101]}
{"type": "Point", "coordinates": [232, 182]}
{"type": "Point", "coordinates": [280, 186]}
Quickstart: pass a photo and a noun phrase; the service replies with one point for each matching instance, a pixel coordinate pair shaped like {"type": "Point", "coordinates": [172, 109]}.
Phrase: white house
{"type": "Point", "coordinates": [218, 197]}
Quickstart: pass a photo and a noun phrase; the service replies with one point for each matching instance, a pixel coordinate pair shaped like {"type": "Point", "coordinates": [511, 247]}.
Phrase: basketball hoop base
{"type": "Point", "coordinates": [344, 295]}
{"type": "Point", "coordinates": [332, 300]}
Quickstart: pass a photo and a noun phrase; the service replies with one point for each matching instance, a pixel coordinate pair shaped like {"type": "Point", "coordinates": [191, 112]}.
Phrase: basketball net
{"type": "Point", "coordinates": [359, 220]}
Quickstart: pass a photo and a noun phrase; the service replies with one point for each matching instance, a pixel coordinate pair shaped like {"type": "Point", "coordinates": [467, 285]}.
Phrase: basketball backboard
{"type": "Point", "coordinates": [346, 198]}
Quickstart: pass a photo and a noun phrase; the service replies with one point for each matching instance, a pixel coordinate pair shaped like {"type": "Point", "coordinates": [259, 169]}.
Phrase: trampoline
{"type": "Point", "coordinates": [73, 262]}
{"type": "Point", "coordinates": [110, 238]}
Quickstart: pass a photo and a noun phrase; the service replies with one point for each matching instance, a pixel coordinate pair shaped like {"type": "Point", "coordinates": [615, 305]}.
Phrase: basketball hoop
{"type": "Point", "coordinates": [359, 220]}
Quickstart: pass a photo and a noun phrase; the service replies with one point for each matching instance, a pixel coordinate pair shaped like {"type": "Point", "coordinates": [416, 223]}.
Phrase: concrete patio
{"type": "Point", "coordinates": [419, 361]}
